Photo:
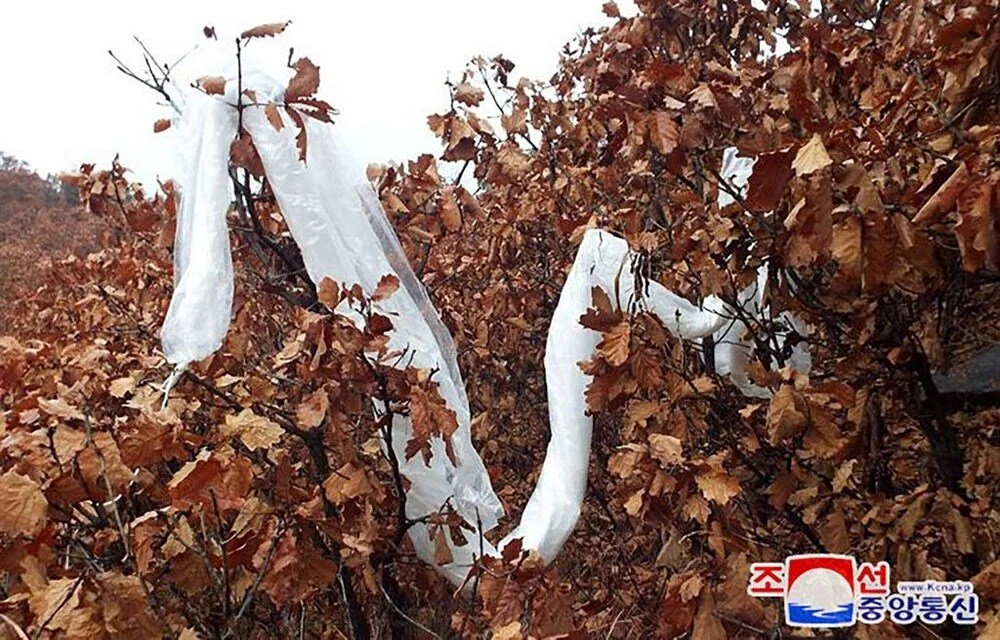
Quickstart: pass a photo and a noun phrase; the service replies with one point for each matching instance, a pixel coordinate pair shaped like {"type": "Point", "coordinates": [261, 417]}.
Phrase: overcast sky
{"type": "Point", "coordinates": [383, 65]}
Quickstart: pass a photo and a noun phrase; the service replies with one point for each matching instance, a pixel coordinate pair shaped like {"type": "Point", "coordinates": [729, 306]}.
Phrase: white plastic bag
{"type": "Point", "coordinates": [199, 311]}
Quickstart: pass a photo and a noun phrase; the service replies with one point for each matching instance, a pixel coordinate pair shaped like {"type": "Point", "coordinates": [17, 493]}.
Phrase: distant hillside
{"type": "Point", "coordinates": [39, 219]}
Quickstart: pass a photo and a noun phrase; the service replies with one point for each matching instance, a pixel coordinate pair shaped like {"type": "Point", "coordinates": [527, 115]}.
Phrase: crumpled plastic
{"type": "Point", "coordinates": [336, 219]}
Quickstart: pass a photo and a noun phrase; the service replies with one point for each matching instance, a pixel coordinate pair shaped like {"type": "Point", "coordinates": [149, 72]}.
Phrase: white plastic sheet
{"type": "Point", "coordinates": [202, 300]}
{"type": "Point", "coordinates": [337, 221]}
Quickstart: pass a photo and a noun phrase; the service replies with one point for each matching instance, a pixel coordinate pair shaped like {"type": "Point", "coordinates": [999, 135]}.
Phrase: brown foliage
{"type": "Point", "coordinates": [244, 506]}
{"type": "Point", "coordinates": [39, 220]}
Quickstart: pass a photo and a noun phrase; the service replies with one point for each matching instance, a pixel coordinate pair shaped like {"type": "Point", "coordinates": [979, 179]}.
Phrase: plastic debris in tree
{"type": "Point", "coordinates": [337, 221]}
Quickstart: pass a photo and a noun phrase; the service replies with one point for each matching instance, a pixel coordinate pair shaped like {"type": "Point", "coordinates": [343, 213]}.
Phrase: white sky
{"type": "Point", "coordinates": [383, 65]}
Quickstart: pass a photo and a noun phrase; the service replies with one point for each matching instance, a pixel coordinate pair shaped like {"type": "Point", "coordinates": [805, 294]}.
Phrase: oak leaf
{"type": "Point", "coordinates": [312, 411]}
{"type": "Point", "coordinates": [978, 226]}
{"type": "Point", "coordinates": [943, 200]}
{"type": "Point", "coordinates": [516, 122]}
{"type": "Point", "coordinates": [449, 212]}
{"type": "Point", "coordinates": [602, 316]}
{"type": "Point", "coordinates": [812, 156]}
{"type": "Point", "coordinates": [623, 462]}
{"type": "Point", "coordinates": [328, 292]}
{"type": "Point", "coordinates": [667, 449]}
{"type": "Point", "coordinates": [614, 347]}
{"type": "Point", "coordinates": [663, 132]}
{"type": "Point", "coordinates": [59, 408]}
{"type": "Point", "coordinates": [346, 483]}
{"type": "Point", "coordinates": [121, 387]}
{"type": "Point", "coordinates": [702, 95]}
{"type": "Point", "coordinates": [442, 551]}
{"type": "Point", "coordinates": [509, 631]}
{"type": "Point", "coordinates": [786, 415]}
{"type": "Point", "coordinates": [304, 83]}
{"type": "Point", "coordinates": [22, 505]}
{"type": "Point", "coordinates": [265, 30]}
{"type": "Point", "coordinates": [717, 485]}
{"type": "Point", "coordinates": [387, 285]}
{"type": "Point", "coordinates": [468, 94]}
{"type": "Point", "coordinates": [56, 606]}
{"type": "Point", "coordinates": [833, 533]}
{"type": "Point", "coordinates": [256, 432]}
{"type": "Point", "coordinates": [212, 85]}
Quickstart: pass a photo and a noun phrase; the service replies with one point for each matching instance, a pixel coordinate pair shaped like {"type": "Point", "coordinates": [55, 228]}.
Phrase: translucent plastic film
{"type": "Point", "coordinates": [338, 223]}
{"type": "Point", "coordinates": [201, 304]}
{"type": "Point", "coordinates": [603, 261]}
{"type": "Point", "coordinates": [341, 229]}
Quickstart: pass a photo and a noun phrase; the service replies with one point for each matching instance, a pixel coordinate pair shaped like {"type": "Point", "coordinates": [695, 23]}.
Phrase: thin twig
{"type": "Point", "coordinates": [406, 617]}
{"type": "Point", "coordinates": [248, 598]}
{"type": "Point", "coordinates": [18, 631]}
{"type": "Point", "coordinates": [122, 531]}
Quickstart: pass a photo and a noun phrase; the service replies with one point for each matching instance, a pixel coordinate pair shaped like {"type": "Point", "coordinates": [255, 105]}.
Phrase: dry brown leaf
{"type": "Point", "coordinates": [978, 226]}
{"type": "Point", "coordinates": [442, 552]}
{"type": "Point", "coordinates": [450, 215]}
{"type": "Point", "coordinates": [663, 132]}
{"type": "Point", "coordinates": [510, 631]}
{"type": "Point", "coordinates": [265, 30]}
{"type": "Point", "coordinates": [304, 83]}
{"type": "Point", "coordinates": [22, 505]}
{"type": "Point", "coordinates": [121, 387]}
{"type": "Point", "coordinates": [256, 432]}
{"type": "Point", "coordinates": [312, 411]}
{"type": "Point", "coordinates": [717, 485]}
{"type": "Point", "coordinates": [811, 157]}
{"type": "Point", "coordinates": [707, 625]}
{"type": "Point", "coordinates": [387, 285]}
{"type": "Point", "coordinates": [468, 94]}
{"type": "Point", "coordinates": [786, 415]}
{"type": "Point", "coordinates": [945, 197]}
{"type": "Point", "coordinates": [614, 347]}
{"type": "Point", "coordinates": [212, 85]}
{"type": "Point", "coordinates": [767, 182]}
{"type": "Point", "coordinates": [328, 292]}
{"type": "Point", "coordinates": [274, 116]}
{"type": "Point", "coordinates": [60, 409]}
{"type": "Point", "coordinates": [516, 122]}
{"type": "Point", "coordinates": [346, 483]}
{"type": "Point", "coordinates": [666, 449]}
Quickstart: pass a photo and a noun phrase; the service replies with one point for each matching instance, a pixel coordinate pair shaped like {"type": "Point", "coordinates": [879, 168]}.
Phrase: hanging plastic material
{"type": "Point", "coordinates": [199, 311]}
{"type": "Point", "coordinates": [337, 221]}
